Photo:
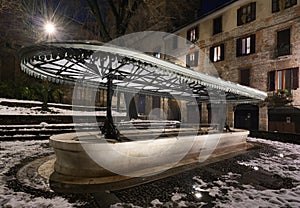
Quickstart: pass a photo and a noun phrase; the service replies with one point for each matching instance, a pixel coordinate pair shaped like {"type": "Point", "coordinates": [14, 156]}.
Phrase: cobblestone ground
{"type": "Point", "coordinates": [266, 176]}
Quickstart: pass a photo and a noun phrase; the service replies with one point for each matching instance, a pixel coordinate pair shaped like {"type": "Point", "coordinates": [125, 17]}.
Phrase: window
{"type": "Point", "coordinates": [192, 59]}
{"type": "Point", "coordinates": [157, 55]}
{"type": "Point", "coordinates": [279, 5]}
{"type": "Point", "coordinates": [283, 42]}
{"type": "Point", "coordinates": [283, 79]}
{"type": "Point", "coordinates": [156, 52]}
{"type": "Point", "coordinates": [246, 14]}
{"type": "Point", "coordinates": [245, 46]}
{"type": "Point", "coordinates": [217, 53]}
{"type": "Point", "coordinates": [217, 25]}
{"type": "Point", "coordinates": [245, 77]}
{"type": "Point", "coordinates": [175, 42]}
{"type": "Point", "coordinates": [192, 34]}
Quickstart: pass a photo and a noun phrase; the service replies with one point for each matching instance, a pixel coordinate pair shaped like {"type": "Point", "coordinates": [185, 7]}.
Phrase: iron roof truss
{"type": "Point", "coordinates": [131, 71]}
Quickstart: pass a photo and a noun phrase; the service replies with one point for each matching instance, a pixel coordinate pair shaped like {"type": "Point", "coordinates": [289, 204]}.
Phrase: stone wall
{"type": "Point", "coordinates": [265, 27]}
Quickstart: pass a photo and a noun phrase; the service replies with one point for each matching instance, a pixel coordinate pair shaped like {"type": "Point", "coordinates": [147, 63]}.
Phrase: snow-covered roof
{"type": "Point", "coordinates": [92, 64]}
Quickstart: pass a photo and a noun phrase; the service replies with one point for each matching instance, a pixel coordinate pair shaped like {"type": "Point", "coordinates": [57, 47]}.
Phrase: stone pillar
{"type": "Point", "coordinates": [263, 118]}
{"type": "Point", "coordinates": [230, 115]}
{"type": "Point", "coordinates": [204, 114]}
{"type": "Point", "coordinates": [148, 104]}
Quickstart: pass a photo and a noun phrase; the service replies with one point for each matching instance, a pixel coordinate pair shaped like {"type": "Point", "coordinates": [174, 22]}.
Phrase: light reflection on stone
{"type": "Point", "coordinates": [198, 195]}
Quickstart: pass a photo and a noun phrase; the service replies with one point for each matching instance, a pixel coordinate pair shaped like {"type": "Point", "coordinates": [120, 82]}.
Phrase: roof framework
{"type": "Point", "coordinates": [130, 71]}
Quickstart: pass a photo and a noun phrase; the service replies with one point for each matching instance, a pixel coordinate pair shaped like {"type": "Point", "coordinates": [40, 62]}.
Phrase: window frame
{"type": "Point", "coordinates": [243, 74]}
{"type": "Point", "coordinates": [218, 25]}
{"type": "Point", "coordinates": [276, 7]}
{"type": "Point", "coordinates": [192, 37]}
{"type": "Point", "coordinates": [282, 42]}
{"type": "Point", "coordinates": [242, 45]}
{"type": "Point", "coordinates": [283, 79]}
{"type": "Point", "coordinates": [174, 42]}
{"type": "Point", "coordinates": [248, 12]}
{"type": "Point", "coordinates": [212, 53]}
{"type": "Point", "coordinates": [192, 62]}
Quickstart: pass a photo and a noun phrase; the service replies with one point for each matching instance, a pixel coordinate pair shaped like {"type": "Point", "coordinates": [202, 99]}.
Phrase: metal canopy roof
{"type": "Point", "coordinates": [92, 64]}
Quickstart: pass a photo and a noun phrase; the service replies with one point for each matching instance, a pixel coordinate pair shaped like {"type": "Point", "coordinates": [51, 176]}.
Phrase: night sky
{"type": "Point", "coordinates": [209, 5]}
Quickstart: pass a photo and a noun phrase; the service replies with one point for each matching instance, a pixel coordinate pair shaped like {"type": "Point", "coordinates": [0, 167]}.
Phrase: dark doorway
{"type": "Point", "coordinates": [174, 112]}
{"type": "Point", "coordinates": [246, 116]}
{"type": "Point", "coordinates": [156, 107]}
{"type": "Point", "coordinates": [142, 104]}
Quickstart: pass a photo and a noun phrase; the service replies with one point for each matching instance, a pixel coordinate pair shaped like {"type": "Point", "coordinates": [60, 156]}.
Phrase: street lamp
{"type": "Point", "coordinates": [49, 28]}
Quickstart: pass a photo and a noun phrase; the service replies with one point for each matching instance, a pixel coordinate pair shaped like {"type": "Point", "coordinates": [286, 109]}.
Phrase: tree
{"type": "Point", "coordinates": [119, 17]}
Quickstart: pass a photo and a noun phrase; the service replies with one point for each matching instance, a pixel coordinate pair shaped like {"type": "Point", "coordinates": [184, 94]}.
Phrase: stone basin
{"type": "Point", "coordinates": [82, 157]}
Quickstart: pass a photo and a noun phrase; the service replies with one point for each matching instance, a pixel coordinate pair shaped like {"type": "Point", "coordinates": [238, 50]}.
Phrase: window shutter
{"type": "Point", "coordinates": [220, 24]}
{"type": "Point", "coordinates": [217, 25]}
{"type": "Point", "coordinates": [188, 60]}
{"type": "Point", "coordinates": [295, 78]}
{"type": "Point", "coordinates": [253, 11]}
{"type": "Point", "coordinates": [196, 58]}
{"type": "Point", "coordinates": [239, 47]}
{"type": "Point", "coordinates": [271, 81]}
{"type": "Point", "coordinates": [245, 77]}
{"type": "Point", "coordinates": [197, 32]}
{"type": "Point", "coordinates": [275, 6]}
{"type": "Point", "coordinates": [239, 17]}
{"type": "Point", "coordinates": [253, 41]}
{"type": "Point", "coordinates": [175, 42]}
{"type": "Point", "coordinates": [211, 54]}
{"type": "Point", "coordinates": [188, 35]}
{"type": "Point", "coordinates": [222, 51]}
{"type": "Point", "coordinates": [288, 79]}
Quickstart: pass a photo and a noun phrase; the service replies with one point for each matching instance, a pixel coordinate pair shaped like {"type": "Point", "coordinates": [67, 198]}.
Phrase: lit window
{"type": "Point", "coordinates": [283, 79]}
{"type": "Point", "coordinates": [192, 59]}
{"type": "Point", "coordinates": [217, 53]}
{"type": "Point", "coordinates": [157, 55]}
{"type": "Point", "coordinates": [246, 46]}
{"type": "Point", "coordinates": [192, 34]}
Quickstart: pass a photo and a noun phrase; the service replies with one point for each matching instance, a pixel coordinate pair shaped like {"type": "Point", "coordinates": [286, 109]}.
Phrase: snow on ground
{"type": "Point", "coordinates": [56, 109]}
{"type": "Point", "coordinates": [285, 162]}
{"type": "Point", "coordinates": [11, 154]}
{"type": "Point", "coordinates": [228, 192]}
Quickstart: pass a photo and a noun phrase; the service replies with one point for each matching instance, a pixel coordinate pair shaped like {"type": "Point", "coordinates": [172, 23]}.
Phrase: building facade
{"type": "Point", "coordinates": [253, 43]}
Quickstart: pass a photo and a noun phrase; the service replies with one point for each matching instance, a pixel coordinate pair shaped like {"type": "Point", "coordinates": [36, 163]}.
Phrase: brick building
{"type": "Point", "coordinates": [253, 43]}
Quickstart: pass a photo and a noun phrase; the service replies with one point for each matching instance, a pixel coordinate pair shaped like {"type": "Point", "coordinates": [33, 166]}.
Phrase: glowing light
{"type": "Point", "coordinates": [281, 155]}
{"type": "Point", "coordinates": [198, 195]}
{"type": "Point", "coordinates": [255, 168]}
{"type": "Point", "coordinates": [49, 28]}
